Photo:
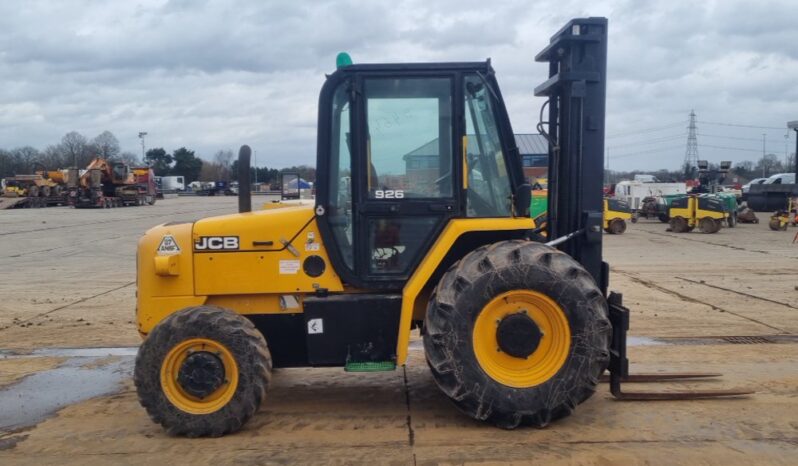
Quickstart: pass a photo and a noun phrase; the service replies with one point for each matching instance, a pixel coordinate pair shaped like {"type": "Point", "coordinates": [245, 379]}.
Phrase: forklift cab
{"type": "Point", "coordinates": [404, 149]}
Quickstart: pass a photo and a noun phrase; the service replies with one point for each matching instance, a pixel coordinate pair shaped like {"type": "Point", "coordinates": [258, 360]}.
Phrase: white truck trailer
{"type": "Point", "coordinates": [633, 192]}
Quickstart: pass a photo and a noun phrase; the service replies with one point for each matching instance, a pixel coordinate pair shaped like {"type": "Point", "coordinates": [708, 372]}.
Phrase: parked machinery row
{"type": "Point", "coordinates": [111, 184]}
{"type": "Point", "coordinates": [41, 189]}
{"type": "Point", "coordinates": [102, 184]}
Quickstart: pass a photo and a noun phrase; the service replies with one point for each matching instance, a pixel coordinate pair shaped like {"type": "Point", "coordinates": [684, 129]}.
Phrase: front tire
{"type": "Point", "coordinates": [203, 371]}
{"type": "Point", "coordinates": [617, 226]}
{"type": "Point", "coordinates": [679, 225]}
{"type": "Point", "coordinates": [708, 225]}
{"type": "Point", "coordinates": [475, 343]}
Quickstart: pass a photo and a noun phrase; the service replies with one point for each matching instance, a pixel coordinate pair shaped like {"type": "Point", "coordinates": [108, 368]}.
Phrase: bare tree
{"type": "Point", "coordinates": [224, 157]}
{"type": "Point", "coordinates": [53, 157]}
{"type": "Point", "coordinates": [129, 158]}
{"type": "Point", "coordinates": [26, 159]}
{"type": "Point", "coordinates": [107, 145]}
{"type": "Point", "coordinates": [209, 171]}
{"type": "Point", "coordinates": [768, 165]}
{"type": "Point", "coordinates": [222, 160]}
{"type": "Point", "coordinates": [12, 163]}
{"type": "Point", "coordinates": [74, 148]}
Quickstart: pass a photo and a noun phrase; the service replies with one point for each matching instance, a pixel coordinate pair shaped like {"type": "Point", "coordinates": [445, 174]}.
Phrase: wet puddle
{"type": "Point", "coordinates": [87, 373]}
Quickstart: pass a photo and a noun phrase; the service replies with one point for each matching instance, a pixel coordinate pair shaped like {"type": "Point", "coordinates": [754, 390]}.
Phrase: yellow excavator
{"type": "Point", "coordinates": [108, 184]}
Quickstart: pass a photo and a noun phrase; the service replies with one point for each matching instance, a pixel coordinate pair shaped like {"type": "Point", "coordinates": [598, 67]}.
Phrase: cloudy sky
{"type": "Point", "coordinates": [213, 75]}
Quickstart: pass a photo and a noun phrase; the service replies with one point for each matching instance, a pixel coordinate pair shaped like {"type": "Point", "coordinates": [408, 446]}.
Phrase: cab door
{"type": "Point", "coordinates": [407, 188]}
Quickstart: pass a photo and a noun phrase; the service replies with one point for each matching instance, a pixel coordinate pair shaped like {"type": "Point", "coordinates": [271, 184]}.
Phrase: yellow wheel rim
{"type": "Point", "coordinates": [170, 369]}
{"type": "Point", "coordinates": [548, 357]}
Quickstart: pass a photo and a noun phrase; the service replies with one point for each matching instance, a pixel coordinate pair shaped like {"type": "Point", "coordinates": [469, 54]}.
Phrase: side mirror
{"type": "Point", "coordinates": [291, 186]}
{"type": "Point", "coordinates": [522, 199]}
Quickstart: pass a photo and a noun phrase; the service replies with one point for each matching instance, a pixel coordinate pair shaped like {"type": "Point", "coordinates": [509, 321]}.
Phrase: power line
{"type": "Point", "coordinates": [740, 126]}
{"type": "Point", "coordinates": [649, 141]}
{"type": "Point", "coordinates": [650, 151]}
{"type": "Point", "coordinates": [728, 137]}
{"type": "Point", "coordinates": [642, 131]}
{"type": "Point", "coordinates": [730, 148]}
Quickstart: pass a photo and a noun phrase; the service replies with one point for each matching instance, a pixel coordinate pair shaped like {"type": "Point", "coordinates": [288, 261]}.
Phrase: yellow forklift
{"type": "Point", "coordinates": [697, 210]}
{"type": "Point", "coordinates": [616, 213]}
{"type": "Point", "coordinates": [421, 224]}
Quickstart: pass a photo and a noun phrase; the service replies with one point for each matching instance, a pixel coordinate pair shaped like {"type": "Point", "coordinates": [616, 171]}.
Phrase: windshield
{"type": "Point", "coordinates": [489, 193]}
{"type": "Point", "coordinates": [781, 178]}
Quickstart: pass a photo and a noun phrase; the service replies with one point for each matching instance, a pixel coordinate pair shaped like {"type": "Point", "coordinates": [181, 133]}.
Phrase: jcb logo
{"type": "Point", "coordinates": [216, 243]}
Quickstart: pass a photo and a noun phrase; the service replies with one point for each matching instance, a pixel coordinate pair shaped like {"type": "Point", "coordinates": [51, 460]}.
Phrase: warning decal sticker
{"type": "Point", "coordinates": [168, 246]}
{"type": "Point", "coordinates": [289, 267]}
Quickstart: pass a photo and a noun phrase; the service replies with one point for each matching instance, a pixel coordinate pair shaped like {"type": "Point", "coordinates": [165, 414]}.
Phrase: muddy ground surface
{"type": "Point", "coordinates": [69, 282]}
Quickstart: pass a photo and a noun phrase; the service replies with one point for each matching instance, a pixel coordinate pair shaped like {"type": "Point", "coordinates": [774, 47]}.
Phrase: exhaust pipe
{"type": "Point", "coordinates": [244, 188]}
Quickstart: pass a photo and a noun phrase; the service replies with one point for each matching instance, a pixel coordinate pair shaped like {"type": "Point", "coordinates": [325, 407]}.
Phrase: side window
{"type": "Point", "coordinates": [489, 188]}
{"type": "Point", "coordinates": [409, 145]}
{"type": "Point", "coordinates": [340, 205]}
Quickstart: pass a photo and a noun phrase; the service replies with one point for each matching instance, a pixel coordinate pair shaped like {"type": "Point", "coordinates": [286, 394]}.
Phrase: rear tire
{"type": "Point", "coordinates": [679, 225]}
{"type": "Point", "coordinates": [246, 364]}
{"type": "Point", "coordinates": [453, 341]}
{"type": "Point", "coordinates": [708, 225]}
{"type": "Point", "coordinates": [617, 226]}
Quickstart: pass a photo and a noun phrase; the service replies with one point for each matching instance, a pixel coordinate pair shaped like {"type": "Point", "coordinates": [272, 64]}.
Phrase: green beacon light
{"type": "Point", "coordinates": [342, 60]}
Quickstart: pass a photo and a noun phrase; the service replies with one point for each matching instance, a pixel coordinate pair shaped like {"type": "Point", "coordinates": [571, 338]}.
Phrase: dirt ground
{"type": "Point", "coordinates": [69, 282]}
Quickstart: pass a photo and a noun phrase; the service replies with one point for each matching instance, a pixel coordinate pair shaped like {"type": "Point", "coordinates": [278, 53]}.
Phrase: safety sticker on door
{"type": "Point", "coordinates": [289, 267]}
{"type": "Point", "coordinates": [315, 326]}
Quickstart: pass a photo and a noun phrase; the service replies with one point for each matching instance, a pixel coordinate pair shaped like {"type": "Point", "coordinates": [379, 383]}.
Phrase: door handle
{"type": "Point", "coordinates": [262, 243]}
{"type": "Point", "coordinates": [440, 207]}
{"type": "Point", "coordinates": [381, 208]}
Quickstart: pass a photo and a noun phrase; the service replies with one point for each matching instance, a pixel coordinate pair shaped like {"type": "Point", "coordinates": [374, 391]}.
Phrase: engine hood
{"type": "Point", "coordinates": [265, 230]}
